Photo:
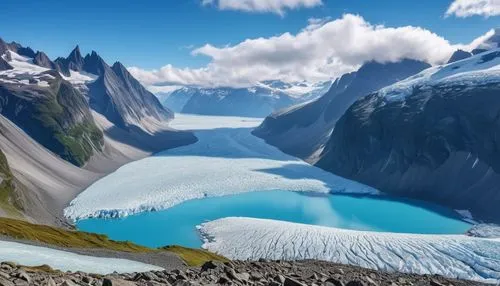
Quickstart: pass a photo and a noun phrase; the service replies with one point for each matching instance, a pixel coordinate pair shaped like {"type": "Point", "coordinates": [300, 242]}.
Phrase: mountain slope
{"type": "Point", "coordinates": [58, 136]}
{"type": "Point", "coordinates": [433, 136]}
{"type": "Point", "coordinates": [302, 130]}
{"type": "Point", "coordinates": [50, 110]}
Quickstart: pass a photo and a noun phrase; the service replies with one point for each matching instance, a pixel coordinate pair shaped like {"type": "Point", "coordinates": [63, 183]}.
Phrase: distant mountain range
{"type": "Point", "coordinates": [75, 109]}
{"type": "Point", "coordinates": [257, 101]}
{"type": "Point", "coordinates": [408, 129]}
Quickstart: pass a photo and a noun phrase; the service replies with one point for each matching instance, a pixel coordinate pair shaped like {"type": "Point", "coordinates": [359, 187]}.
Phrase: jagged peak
{"type": "Point", "coordinates": [119, 68]}
{"type": "Point", "coordinates": [94, 64]}
{"type": "Point", "coordinates": [75, 54]}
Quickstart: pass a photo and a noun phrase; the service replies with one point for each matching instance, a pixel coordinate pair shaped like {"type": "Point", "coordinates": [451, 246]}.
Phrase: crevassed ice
{"type": "Point", "coordinates": [29, 255]}
{"type": "Point", "coordinates": [454, 256]}
{"type": "Point", "coordinates": [226, 160]}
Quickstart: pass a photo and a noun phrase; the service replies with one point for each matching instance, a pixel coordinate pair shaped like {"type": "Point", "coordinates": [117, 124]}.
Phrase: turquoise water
{"type": "Point", "coordinates": [177, 225]}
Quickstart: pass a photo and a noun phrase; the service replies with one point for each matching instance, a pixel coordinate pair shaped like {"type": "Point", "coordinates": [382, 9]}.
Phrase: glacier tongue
{"type": "Point", "coordinates": [454, 256]}
{"type": "Point", "coordinates": [226, 160]}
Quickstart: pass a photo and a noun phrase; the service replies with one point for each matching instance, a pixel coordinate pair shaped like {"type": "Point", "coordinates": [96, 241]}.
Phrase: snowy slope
{"type": "Point", "coordinates": [448, 255]}
{"type": "Point", "coordinates": [226, 160]}
{"type": "Point", "coordinates": [29, 255]}
{"type": "Point", "coordinates": [479, 69]}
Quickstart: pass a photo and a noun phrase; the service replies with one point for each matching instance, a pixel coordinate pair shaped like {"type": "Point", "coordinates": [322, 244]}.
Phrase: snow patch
{"type": "Point", "coordinates": [454, 256]}
{"type": "Point", "coordinates": [29, 255]}
{"type": "Point", "coordinates": [482, 68]}
{"type": "Point", "coordinates": [79, 78]}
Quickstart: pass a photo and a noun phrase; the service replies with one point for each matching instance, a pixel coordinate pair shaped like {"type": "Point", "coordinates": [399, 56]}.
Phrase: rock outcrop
{"type": "Point", "coordinates": [276, 273]}
{"type": "Point", "coordinates": [302, 130]}
{"type": "Point", "coordinates": [435, 137]}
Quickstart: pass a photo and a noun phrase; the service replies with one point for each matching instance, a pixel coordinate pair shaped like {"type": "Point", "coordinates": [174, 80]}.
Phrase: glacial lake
{"type": "Point", "coordinates": [177, 225]}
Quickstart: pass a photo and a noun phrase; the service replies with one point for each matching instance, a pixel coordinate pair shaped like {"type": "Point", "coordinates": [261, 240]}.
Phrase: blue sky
{"type": "Point", "coordinates": [153, 33]}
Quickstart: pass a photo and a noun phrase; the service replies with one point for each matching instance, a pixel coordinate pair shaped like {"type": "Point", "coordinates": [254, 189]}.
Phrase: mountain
{"type": "Point", "coordinates": [256, 101]}
{"type": "Point", "coordinates": [176, 99]}
{"type": "Point", "coordinates": [49, 109]}
{"type": "Point", "coordinates": [459, 55]}
{"type": "Point", "coordinates": [65, 123]}
{"type": "Point", "coordinates": [249, 102]}
{"type": "Point", "coordinates": [434, 136]}
{"type": "Point", "coordinates": [302, 130]}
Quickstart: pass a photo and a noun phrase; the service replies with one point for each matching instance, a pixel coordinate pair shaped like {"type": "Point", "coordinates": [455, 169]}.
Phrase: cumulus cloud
{"type": "Point", "coordinates": [262, 6]}
{"type": "Point", "coordinates": [468, 8]}
{"type": "Point", "coordinates": [323, 50]}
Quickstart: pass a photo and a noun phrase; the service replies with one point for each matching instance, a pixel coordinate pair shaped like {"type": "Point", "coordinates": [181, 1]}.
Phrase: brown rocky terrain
{"type": "Point", "coordinates": [273, 273]}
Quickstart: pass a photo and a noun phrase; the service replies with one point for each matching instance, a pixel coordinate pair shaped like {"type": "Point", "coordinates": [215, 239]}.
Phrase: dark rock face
{"type": "Point", "coordinates": [249, 102]}
{"type": "Point", "coordinates": [75, 60]}
{"type": "Point", "coordinates": [41, 59]}
{"type": "Point", "coordinates": [94, 64]}
{"type": "Point", "coordinates": [3, 47]}
{"type": "Point", "coordinates": [58, 117]}
{"type": "Point", "coordinates": [4, 65]}
{"type": "Point", "coordinates": [20, 50]}
{"type": "Point", "coordinates": [303, 129]}
{"type": "Point", "coordinates": [440, 144]}
{"type": "Point", "coordinates": [122, 99]}
{"type": "Point", "coordinates": [459, 55]}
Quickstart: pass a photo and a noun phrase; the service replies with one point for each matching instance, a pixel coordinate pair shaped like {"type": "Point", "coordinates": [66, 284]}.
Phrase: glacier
{"type": "Point", "coordinates": [227, 159]}
{"type": "Point", "coordinates": [454, 256]}
{"type": "Point", "coordinates": [29, 255]}
{"type": "Point", "coordinates": [480, 69]}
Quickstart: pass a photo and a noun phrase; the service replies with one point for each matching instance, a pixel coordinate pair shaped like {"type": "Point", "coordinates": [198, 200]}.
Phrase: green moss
{"type": "Point", "coordinates": [64, 238]}
{"type": "Point", "coordinates": [76, 142]}
{"type": "Point", "coordinates": [194, 257]}
{"type": "Point", "coordinates": [77, 239]}
{"type": "Point", "coordinates": [79, 142]}
{"type": "Point", "coordinates": [7, 189]}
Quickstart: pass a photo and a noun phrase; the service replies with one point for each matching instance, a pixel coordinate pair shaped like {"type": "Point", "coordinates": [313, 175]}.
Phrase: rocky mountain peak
{"type": "Point", "coordinates": [41, 59]}
{"type": "Point", "coordinates": [94, 64]}
{"type": "Point", "coordinates": [75, 59]}
{"type": "Point", "coordinates": [4, 65]}
{"type": "Point", "coordinates": [3, 47]}
{"type": "Point", "coordinates": [459, 55]}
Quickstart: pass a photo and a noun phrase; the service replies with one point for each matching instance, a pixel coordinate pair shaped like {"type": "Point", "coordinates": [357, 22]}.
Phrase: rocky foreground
{"type": "Point", "coordinates": [274, 273]}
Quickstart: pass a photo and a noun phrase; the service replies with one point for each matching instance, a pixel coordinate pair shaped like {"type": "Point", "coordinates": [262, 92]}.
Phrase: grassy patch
{"type": "Point", "coordinates": [7, 189]}
{"type": "Point", "coordinates": [64, 238]}
{"type": "Point", "coordinates": [77, 239]}
{"type": "Point", "coordinates": [194, 257]}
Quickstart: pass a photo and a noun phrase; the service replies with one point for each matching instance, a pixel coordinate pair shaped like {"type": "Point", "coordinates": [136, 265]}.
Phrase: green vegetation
{"type": "Point", "coordinates": [7, 189]}
{"type": "Point", "coordinates": [64, 238]}
{"type": "Point", "coordinates": [194, 257]}
{"type": "Point", "coordinates": [79, 142]}
{"type": "Point", "coordinates": [77, 239]}
{"type": "Point", "coordinates": [77, 138]}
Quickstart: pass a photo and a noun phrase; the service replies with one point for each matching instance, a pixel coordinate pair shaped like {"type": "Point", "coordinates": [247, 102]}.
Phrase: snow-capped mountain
{"type": "Point", "coordinates": [70, 89]}
{"type": "Point", "coordinates": [57, 116]}
{"type": "Point", "coordinates": [301, 130]}
{"type": "Point", "coordinates": [433, 136]}
{"type": "Point", "coordinates": [249, 102]}
{"type": "Point", "coordinates": [257, 101]}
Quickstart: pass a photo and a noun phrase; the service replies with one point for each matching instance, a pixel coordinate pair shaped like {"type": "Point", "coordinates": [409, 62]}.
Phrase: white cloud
{"type": "Point", "coordinates": [468, 8]}
{"type": "Point", "coordinates": [263, 6]}
{"type": "Point", "coordinates": [321, 51]}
